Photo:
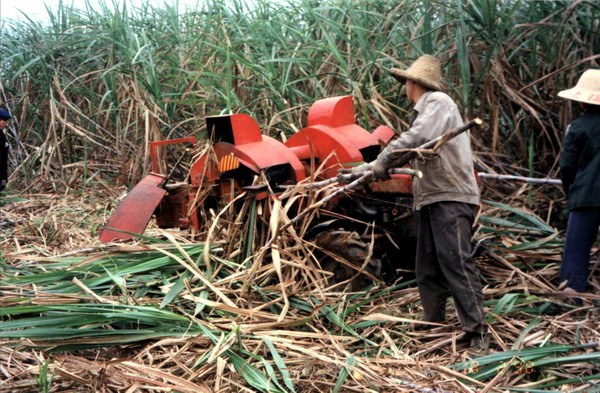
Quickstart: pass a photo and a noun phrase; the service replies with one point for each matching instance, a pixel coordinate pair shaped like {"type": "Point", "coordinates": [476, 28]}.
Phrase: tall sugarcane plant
{"type": "Point", "coordinates": [95, 85]}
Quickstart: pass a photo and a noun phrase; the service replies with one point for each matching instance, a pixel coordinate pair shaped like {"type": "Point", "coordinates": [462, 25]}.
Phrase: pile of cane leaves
{"type": "Point", "coordinates": [171, 312]}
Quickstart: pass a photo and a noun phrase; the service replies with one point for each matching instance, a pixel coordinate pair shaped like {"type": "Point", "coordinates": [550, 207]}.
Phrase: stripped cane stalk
{"type": "Point", "coordinates": [405, 156]}
{"type": "Point", "coordinates": [393, 171]}
{"type": "Point", "coordinates": [534, 180]}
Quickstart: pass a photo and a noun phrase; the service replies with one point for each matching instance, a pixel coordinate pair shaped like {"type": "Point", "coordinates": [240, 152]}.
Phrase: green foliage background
{"type": "Point", "coordinates": [92, 87]}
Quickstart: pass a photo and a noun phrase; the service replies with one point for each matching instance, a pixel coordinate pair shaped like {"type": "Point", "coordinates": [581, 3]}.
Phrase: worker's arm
{"type": "Point", "coordinates": [436, 115]}
{"type": "Point", "coordinates": [432, 121]}
{"type": "Point", "coordinates": [569, 157]}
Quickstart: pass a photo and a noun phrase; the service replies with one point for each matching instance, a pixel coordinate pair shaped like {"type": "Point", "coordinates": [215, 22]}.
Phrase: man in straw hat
{"type": "Point", "coordinates": [447, 197]}
{"type": "Point", "coordinates": [580, 174]}
{"type": "Point", "coordinates": [4, 118]}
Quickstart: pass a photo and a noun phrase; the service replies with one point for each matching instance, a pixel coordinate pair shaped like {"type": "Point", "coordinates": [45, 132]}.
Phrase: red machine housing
{"type": "Point", "coordinates": [333, 138]}
{"type": "Point", "coordinates": [240, 153]}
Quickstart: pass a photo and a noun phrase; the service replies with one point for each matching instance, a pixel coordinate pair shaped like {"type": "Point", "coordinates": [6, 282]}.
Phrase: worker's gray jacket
{"type": "Point", "coordinates": [449, 176]}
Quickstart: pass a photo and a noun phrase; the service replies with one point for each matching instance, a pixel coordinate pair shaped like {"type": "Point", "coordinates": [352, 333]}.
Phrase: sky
{"type": "Point", "coordinates": [36, 10]}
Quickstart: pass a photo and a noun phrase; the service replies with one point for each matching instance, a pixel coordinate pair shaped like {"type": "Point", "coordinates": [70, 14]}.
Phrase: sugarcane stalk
{"type": "Point", "coordinates": [393, 171]}
{"type": "Point", "coordinates": [533, 180]}
{"type": "Point", "coordinates": [366, 178]}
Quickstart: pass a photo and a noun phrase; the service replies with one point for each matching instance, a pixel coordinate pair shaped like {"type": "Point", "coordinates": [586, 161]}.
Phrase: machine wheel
{"type": "Point", "coordinates": [347, 257]}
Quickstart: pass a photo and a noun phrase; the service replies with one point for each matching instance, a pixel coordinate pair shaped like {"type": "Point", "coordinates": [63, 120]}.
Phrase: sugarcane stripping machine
{"type": "Point", "coordinates": [239, 154]}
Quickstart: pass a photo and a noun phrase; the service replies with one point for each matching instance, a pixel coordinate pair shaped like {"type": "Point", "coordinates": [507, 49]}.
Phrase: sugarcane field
{"type": "Point", "coordinates": [300, 196]}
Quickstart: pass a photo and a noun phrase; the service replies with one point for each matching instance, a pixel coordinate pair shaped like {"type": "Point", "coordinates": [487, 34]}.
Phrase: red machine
{"type": "Point", "coordinates": [238, 154]}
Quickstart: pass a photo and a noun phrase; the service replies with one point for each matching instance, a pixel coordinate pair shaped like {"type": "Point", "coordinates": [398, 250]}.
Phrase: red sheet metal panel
{"type": "Point", "coordinates": [383, 133]}
{"type": "Point", "coordinates": [266, 153]}
{"type": "Point", "coordinates": [135, 210]}
{"type": "Point", "coordinates": [333, 135]}
{"type": "Point", "coordinates": [398, 184]}
{"type": "Point", "coordinates": [289, 156]}
{"type": "Point", "coordinates": [261, 155]}
{"type": "Point", "coordinates": [245, 129]}
{"type": "Point", "coordinates": [204, 170]}
{"type": "Point", "coordinates": [333, 112]}
{"type": "Point", "coordinates": [325, 141]}
{"type": "Point", "coordinates": [355, 136]}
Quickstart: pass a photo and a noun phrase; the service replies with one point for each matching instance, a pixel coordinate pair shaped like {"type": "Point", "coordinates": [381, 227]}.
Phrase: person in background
{"type": "Point", "coordinates": [447, 198]}
{"type": "Point", "coordinates": [4, 118]}
{"type": "Point", "coordinates": [580, 174]}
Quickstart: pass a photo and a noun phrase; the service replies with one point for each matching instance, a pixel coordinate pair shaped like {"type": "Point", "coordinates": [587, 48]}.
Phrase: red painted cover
{"type": "Point", "coordinates": [398, 184]}
{"type": "Point", "coordinates": [135, 210]}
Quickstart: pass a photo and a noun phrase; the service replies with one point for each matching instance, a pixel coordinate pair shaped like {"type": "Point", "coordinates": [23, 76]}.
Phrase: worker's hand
{"type": "Point", "coordinates": [345, 176]}
{"type": "Point", "coordinates": [380, 171]}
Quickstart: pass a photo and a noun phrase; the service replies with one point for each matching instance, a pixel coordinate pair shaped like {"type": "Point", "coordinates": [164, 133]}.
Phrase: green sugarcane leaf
{"type": "Point", "coordinates": [343, 374]}
{"type": "Point", "coordinates": [285, 373]}
{"type": "Point", "coordinates": [175, 290]}
{"type": "Point", "coordinates": [539, 224]}
{"type": "Point", "coordinates": [251, 374]}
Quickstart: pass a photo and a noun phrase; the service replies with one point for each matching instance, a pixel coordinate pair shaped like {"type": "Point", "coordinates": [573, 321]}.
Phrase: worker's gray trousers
{"type": "Point", "coordinates": [444, 265]}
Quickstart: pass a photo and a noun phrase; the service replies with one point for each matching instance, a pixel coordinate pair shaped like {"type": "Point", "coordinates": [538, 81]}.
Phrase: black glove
{"type": "Point", "coordinates": [345, 176]}
{"type": "Point", "coordinates": [380, 171]}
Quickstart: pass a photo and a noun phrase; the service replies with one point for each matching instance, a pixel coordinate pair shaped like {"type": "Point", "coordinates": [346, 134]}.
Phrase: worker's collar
{"type": "Point", "coordinates": [419, 105]}
{"type": "Point", "coordinates": [591, 108]}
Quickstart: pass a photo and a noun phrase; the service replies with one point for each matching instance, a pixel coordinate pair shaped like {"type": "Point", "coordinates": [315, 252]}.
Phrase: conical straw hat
{"type": "Point", "coordinates": [426, 71]}
{"type": "Point", "coordinates": [586, 90]}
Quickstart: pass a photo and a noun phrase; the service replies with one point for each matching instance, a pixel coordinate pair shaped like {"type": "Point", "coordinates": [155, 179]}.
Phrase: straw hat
{"type": "Point", "coordinates": [426, 71]}
{"type": "Point", "coordinates": [587, 89]}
